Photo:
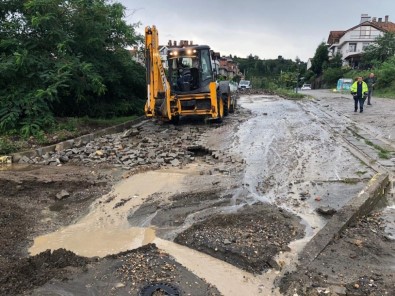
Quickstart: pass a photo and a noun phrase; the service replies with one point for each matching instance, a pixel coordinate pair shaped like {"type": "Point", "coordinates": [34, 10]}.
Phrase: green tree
{"type": "Point", "coordinates": [264, 73]}
{"type": "Point", "coordinates": [332, 71]}
{"type": "Point", "coordinates": [380, 51]}
{"type": "Point", "coordinates": [65, 58]}
{"type": "Point", "coordinates": [336, 61]}
{"type": "Point", "coordinates": [320, 59]}
{"type": "Point", "coordinates": [386, 73]}
{"type": "Point", "coordinates": [332, 75]}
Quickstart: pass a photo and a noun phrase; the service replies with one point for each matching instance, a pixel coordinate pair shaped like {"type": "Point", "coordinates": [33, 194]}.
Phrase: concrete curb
{"type": "Point", "coordinates": [358, 206]}
{"type": "Point", "coordinates": [82, 140]}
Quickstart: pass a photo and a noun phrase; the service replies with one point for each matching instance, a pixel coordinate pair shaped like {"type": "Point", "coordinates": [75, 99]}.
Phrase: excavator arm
{"type": "Point", "coordinates": [158, 88]}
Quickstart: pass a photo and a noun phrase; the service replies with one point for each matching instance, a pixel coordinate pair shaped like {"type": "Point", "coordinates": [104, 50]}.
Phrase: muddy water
{"type": "Point", "coordinates": [17, 167]}
{"type": "Point", "coordinates": [228, 279]}
{"type": "Point", "coordinates": [105, 229]}
{"type": "Point", "coordinates": [289, 153]}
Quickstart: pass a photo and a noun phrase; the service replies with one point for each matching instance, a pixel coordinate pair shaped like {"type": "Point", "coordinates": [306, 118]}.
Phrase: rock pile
{"type": "Point", "coordinates": [150, 144]}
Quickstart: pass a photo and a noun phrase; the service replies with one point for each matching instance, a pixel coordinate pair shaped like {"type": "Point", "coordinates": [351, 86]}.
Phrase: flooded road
{"type": "Point", "coordinates": [294, 161]}
{"type": "Point", "coordinates": [291, 160]}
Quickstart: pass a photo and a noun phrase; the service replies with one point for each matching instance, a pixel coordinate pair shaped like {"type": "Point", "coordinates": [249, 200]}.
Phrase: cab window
{"type": "Point", "coordinates": [206, 72]}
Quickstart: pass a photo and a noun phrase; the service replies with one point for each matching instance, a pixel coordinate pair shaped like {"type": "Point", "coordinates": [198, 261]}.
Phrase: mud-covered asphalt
{"type": "Point", "coordinates": [224, 210]}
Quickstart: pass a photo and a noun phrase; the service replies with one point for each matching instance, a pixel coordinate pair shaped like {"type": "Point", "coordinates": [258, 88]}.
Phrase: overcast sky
{"type": "Point", "coordinates": [266, 28]}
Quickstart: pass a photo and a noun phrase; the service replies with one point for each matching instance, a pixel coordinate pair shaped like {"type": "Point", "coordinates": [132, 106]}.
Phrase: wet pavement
{"type": "Point", "coordinates": [298, 168]}
{"type": "Point", "coordinates": [367, 134]}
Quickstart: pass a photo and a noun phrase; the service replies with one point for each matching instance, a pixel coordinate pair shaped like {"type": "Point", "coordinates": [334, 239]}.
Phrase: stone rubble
{"type": "Point", "coordinates": [151, 145]}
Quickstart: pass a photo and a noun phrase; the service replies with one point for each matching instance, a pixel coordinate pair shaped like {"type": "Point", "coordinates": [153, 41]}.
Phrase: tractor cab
{"type": "Point", "coordinates": [190, 69]}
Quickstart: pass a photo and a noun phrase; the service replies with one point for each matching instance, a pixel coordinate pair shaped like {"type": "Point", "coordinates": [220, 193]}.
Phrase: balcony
{"type": "Point", "coordinates": [364, 37]}
{"type": "Point", "coordinates": [349, 53]}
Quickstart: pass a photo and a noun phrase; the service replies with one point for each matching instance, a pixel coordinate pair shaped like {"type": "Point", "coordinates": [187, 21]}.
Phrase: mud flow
{"type": "Point", "coordinates": [227, 218]}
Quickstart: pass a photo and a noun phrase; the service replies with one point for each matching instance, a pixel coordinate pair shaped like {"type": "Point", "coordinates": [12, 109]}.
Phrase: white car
{"type": "Point", "coordinates": [306, 87]}
{"type": "Point", "coordinates": [244, 84]}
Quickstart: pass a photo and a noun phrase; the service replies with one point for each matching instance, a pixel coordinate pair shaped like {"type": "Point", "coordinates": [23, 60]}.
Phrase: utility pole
{"type": "Point", "coordinates": [297, 77]}
{"type": "Point", "coordinates": [297, 82]}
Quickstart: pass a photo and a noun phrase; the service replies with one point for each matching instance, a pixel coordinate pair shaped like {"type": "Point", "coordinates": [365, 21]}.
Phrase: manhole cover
{"type": "Point", "coordinates": [159, 289]}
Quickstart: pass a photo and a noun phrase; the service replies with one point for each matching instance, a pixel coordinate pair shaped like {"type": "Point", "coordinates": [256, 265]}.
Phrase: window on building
{"type": "Point", "coordinates": [364, 45]}
{"type": "Point", "coordinates": [352, 47]}
{"type": "Point", "coordinates": [365, 31]}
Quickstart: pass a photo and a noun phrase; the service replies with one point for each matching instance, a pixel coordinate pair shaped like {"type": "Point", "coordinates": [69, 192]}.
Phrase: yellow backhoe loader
{"type": "Point", "coordinates": [188, 86]}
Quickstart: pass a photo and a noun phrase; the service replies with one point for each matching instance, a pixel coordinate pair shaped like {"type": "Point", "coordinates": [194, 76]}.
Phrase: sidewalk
{"type": "Point", "coordinates": [378, 119]}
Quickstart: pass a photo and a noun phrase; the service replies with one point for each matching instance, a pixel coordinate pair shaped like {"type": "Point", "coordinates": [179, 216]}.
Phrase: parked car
{"type": "Point", "coordinates": [244, 84]}
{"type": "Point", "coordinates": [306, 87]}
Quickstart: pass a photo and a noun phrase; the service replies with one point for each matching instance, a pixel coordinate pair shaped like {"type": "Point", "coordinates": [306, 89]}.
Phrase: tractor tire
{"type": "Point", "coordinates": [160, 289]}
{"type": "Point", "coordinates": [233, 105]}
{"type": "Point", "coordinates": [220, 105]}
{"type": "Point", "coordinates": [175, 119]}
{"type": "Point", "coordinates": [226, 102]}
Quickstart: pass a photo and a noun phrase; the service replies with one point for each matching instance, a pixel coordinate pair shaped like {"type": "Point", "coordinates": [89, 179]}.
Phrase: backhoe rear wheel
{"type": "Point", "coordinates": [175, 119]}
{"type": "Point", "coordinates": [226, 101]}
{"type": "Point", "coordinates": [220, 105]}
{"type": "Point", "coordinates": [233, 105]}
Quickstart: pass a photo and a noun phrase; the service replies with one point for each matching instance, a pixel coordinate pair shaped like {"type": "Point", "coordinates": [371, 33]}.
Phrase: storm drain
{"type": "Point", "coordinates": [159, 289]}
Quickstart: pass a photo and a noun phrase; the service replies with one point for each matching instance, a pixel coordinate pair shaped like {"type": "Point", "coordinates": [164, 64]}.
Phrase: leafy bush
{"type": "Point", "coordinates": [7, 146]}
{"type": "Point", "coordinates": [332, 75]}
{"type": "Point", "coordinates": [386, 73]}
{"type": "Point", "coordinates": [65, 58]}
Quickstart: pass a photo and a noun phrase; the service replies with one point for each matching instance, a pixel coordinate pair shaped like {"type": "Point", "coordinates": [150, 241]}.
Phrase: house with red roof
{"type": "Point", "coordinates": [351, 43]}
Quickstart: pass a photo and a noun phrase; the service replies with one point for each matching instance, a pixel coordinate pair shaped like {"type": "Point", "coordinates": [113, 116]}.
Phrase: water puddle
{"type": "Point", "coordinates": [228, 279]}
{"type": "Point", "coordinates": [105, 231]}
{"type": "Point", "coordinates": [17, 167]}
{"type": "Point", "coordinates": [88, 242]}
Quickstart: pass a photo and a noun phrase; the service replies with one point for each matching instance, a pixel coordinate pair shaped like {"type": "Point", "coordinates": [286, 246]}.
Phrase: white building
{"type": "Point", "coordinates": [352, 42]}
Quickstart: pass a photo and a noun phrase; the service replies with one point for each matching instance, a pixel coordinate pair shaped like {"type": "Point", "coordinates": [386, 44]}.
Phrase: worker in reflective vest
{"type": "Point", "coordinates": [359, 90]}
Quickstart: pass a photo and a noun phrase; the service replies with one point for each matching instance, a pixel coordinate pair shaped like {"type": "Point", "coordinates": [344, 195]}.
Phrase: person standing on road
{"type": "Point", "coordinates": [359, 90]}
{"type": "Point", "coordinates": [370, 81]}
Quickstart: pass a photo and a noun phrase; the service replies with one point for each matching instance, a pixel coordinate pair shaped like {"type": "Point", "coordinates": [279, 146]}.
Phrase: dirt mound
{"type": "Point", "coordinates": [248, 239]}
{"type": "Point", "coordinates": [31, 272]}
{"type": "Point", "coordinates": [131, 272]}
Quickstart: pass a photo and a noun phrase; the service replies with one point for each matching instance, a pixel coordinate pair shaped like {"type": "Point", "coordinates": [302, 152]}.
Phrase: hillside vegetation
{"type": "Point", "coordinates": [65, 58]}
